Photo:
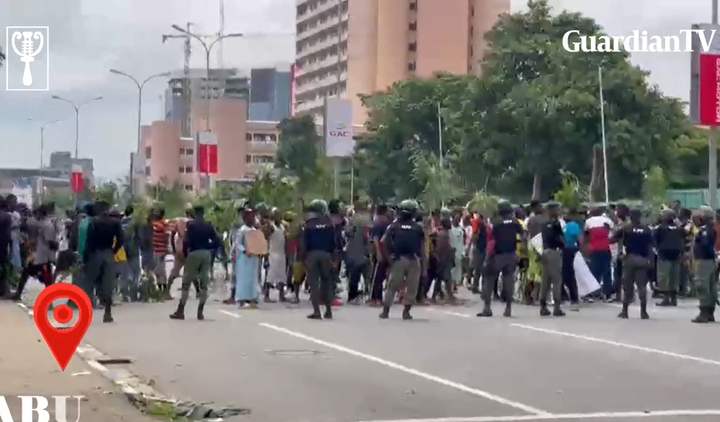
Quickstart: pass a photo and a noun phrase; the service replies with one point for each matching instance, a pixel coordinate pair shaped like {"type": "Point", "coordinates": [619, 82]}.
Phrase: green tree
{"type": "Point", "coordinates": [2, 57]}
{"type": "Point", "coordinates": [403, 120]}
{"type": "Point", "coordinates": [299, 148]}
{"type": "Point", "coordinates": [108, 192]}
{"type": "Point", "coordinates": [541, 105]}
{"type": "Point", "coordinates": [654, 186]}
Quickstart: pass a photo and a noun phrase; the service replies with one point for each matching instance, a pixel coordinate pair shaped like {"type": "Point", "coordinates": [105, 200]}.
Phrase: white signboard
{"type": "Point", "coordinates": [339, 140]}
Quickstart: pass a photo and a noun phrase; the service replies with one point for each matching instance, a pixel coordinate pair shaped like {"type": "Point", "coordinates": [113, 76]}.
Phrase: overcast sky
{"type": "Point", "coordinates": [90, 37]}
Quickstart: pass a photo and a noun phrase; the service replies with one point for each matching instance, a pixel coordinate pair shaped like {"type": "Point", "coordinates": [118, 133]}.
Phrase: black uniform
{"type": "Point", "coordinates": [322, 239]}
{"type": "Point", "coordinates": [638, 243]}
{"type": "Point", "coordinates": [404, 241]}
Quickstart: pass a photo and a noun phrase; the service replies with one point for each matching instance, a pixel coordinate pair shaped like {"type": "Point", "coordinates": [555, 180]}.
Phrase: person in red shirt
{"type": "Point", "coordinates": [597, 242]}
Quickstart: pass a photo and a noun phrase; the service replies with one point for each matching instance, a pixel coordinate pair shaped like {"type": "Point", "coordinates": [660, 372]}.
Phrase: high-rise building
{"type": "Point", "coordinates": [223, 83]}
{"type": "Point", "coordinates": [356, 47]}
{"type": "Point", "coordinates": [270, 93]}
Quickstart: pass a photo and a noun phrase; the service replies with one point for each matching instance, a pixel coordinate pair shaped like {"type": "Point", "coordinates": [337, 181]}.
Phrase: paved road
{"type": "Point", "coordinates": [445, 366]}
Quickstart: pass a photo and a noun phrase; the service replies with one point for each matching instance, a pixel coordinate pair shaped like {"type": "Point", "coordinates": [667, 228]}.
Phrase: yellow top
{"type": "Point", "coordinates": [520, 245]}
{"type": "Point", "coordinates": [120, 255]}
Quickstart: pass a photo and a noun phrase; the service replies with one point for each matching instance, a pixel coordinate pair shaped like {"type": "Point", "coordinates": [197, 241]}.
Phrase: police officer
{"type": "Point", "coordinates": [637, 240]}
{"type": "Point", "coordinates": [321, 242]}
{"type": "Point", "coordinates": [551, 260]}
{"type": "Point", "coordinates": [502, 258]}
{"type": "Point", "coordinates": [705, 270]}
{"type": "Point", "coordinates": [670, 246]}
{"type": "Point", "coordinates": [404, 245]}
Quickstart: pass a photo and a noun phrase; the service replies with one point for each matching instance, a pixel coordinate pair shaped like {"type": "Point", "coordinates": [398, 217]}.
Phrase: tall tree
{"type": "Point", "coordinates": [544, 103]}
{"type": "Point", "coordinates": [2, 57]}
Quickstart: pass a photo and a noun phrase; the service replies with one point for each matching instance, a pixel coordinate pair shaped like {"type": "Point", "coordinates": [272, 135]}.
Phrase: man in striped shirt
{"type": "Point", "coordinates": [160, 234]}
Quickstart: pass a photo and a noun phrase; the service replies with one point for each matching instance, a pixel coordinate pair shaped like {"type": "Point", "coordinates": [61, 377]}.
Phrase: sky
{"type": "Point", "coordinates": [90, 37]}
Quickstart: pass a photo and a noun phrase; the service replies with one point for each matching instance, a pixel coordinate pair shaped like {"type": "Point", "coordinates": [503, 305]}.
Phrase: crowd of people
{"type": "Point", "coordinates": [385, 253]}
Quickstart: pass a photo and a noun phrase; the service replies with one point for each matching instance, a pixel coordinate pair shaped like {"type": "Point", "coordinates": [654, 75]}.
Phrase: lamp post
{"type": "Point", "coordinates": [208, 48]}
{"type": "Point", "coordinates": [41, 188]}
{"type": "Point", "coordinates": [140, 85]}
{"type": "Point", "coordinates": [76, 107]}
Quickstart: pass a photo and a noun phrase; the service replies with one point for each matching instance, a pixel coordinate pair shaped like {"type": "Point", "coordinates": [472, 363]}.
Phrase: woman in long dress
{"type": "Point", "coordinates": [247, 267]}
{"type": "Point", "coordinates": [277, 272]}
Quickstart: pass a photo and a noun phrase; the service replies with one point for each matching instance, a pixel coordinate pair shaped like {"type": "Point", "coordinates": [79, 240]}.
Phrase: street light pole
{"type": "Point", "coordinates": [76, 107]}
{"type": "Point", "coordinates": [42, 152]}
{"type": "Point", "coordinates": [140, 86]}
{"type": "Point", "coordinates": [208, 49]}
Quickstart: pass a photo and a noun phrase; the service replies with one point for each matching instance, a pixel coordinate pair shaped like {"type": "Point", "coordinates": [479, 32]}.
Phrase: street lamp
{"type": "Point", "coordinates": [41, 188]}
{"type": "Point", "coordinates": [76, 107]}
{"type": "Point", "coordinates": [140, 86]}
{"type": "Point", "coordinates": [208, 49]}
{"type": "Point", "coordinates": [42, 138]}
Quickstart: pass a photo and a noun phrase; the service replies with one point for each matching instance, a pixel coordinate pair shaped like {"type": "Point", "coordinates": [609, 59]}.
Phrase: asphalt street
{"type": "Point", "coordinates": [445, 366]}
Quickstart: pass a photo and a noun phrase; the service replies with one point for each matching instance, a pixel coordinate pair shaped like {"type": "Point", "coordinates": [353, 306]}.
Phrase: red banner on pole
{"type": "Point", "coordinates": [709, 92]}
{"type": "Point", "coordinates": [207, 153]}
{"type": "Point", "coordinates": [76, 179]}
{"type": "Point", "coordinates": [208, 158]}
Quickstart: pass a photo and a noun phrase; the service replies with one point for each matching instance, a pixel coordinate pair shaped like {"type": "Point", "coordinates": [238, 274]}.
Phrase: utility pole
{"type": "Point", "coordinates": [220, 35]}
{"type": "Point", "coordinates": [186, 124]}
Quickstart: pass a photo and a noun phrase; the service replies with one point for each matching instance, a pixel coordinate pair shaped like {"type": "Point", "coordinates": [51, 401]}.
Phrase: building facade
{"type": "Point", "coordinates": [351, 47]}
{"type": "Point", "coordinates": [243, 146]}
{"type": "Point", "coordinates": [270, 93]}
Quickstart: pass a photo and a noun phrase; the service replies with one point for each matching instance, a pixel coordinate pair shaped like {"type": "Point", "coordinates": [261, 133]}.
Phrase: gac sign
{"type": "Point", "coordinates": [340, 132]}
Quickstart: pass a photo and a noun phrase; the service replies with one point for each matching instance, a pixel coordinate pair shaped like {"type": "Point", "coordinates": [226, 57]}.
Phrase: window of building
{"type": "Point", "coordinates": [148, 152]}
{"type": "Point", "coordinates": [412, 66]}
{"type": "Point", "coordinates": [189, 151]}
{"type": "Point", "coordinates": [147, 171]}
{"type": "Point", "coordinates": [412, 46]}
{"type": "Point", "coordinates": [248, 158]}
{"type": "Point", "coordinates": [413, 5]}
{"type": "Point", "coordinates": [412, 26]}
{"type": "Point", "coordinates": [248, 136]}
{"type": "Point", "coordinates": [189, 187]}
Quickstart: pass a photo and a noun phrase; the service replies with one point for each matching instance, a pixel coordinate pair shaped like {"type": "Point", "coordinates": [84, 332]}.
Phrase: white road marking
{"type": "Point", "coordinates": [619, 344]}
{"type": "Point", "coordinates": [441, 311]}
{"type": "Point", "coordinates": [393, 365]}
{"type": "Point", "coordinates": [232, 314]}
{"type": "Point", "coordinates": [568, 416]}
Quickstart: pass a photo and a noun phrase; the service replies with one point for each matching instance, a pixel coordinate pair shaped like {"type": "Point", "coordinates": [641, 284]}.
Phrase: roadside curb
{"type": "Point", "coordinates": [136, 391]}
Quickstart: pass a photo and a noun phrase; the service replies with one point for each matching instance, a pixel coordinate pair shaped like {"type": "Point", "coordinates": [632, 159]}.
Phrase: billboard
{"type": "Point", "coordinates": [708, 99]}
{"type": "Point", "coordinates": [338, 128]}
{"type": "Point", "coordinates": [698, 95]}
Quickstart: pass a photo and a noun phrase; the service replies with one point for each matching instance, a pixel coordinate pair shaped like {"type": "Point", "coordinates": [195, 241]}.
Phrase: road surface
{"type": "Point", "coordinates": [445, 366]}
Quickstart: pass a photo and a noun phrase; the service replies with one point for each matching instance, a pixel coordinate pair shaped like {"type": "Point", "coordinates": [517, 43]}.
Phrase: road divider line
{"type": "Point", "coordinates": [420, 374]}
{"type": "Point", "coordinates": [232, 314]}
{"type": "Point", "coordinates": [568, 416]}
{"type": "Point", "coordinates": [442, 311]}
{"type": "Point", "coordinates": [618, 344]}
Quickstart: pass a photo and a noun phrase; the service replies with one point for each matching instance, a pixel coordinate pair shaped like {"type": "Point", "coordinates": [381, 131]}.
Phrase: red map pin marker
{"type": "Point", "coordinates": [62, 341]}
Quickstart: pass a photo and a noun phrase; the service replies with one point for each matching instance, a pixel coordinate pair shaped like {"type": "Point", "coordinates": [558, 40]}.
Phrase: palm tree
{"type": "Point", "coordinates": [440, 183]}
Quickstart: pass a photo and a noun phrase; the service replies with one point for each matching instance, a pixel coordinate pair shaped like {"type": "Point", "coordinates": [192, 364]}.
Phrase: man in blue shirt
{"type": "Point", "coordinates": [572, 234]}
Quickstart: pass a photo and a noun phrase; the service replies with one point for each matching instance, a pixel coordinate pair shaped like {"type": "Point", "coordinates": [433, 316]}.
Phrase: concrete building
{"type": "Point", "coordinates": [243, 145]}
{"type": "Point", "coordinates": [63, 161]}
{"type": "Point", "coordinates": [356, 47]}
{"type": "Point", "coordinates": [270, 93]}
{"type": "Point", "coordinates": [223, 83]}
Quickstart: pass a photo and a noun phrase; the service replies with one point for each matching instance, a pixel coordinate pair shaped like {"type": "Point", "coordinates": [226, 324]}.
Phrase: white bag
{"type": "Point", "coordinates": [537, 243]}
{"type": "Point", "coordinates": [586, 282]}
